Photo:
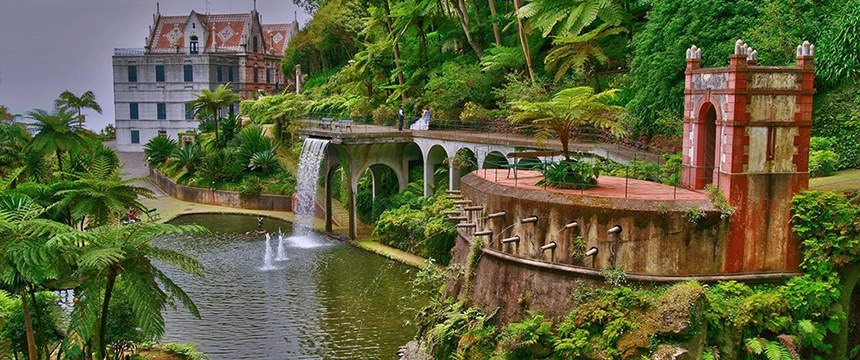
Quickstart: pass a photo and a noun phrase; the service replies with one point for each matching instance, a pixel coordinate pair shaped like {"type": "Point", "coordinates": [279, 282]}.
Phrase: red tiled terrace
{"type": "Point", "coordinates": [607, 186]}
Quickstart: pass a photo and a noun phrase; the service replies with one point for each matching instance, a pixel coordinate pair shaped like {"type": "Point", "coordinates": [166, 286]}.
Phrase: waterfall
{"type": "Point", "coordinates": [307, 180]}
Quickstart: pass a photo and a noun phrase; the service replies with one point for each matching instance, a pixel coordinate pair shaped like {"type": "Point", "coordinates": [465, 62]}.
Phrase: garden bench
{"type": "Point", "coordinates": [528, 161]}
{"type": "Point", "coordinates": [326, 123]}
{"type": "Point", "coordinates": [344, 124]}
{"type": "Point", "coordinates": [153, 214]}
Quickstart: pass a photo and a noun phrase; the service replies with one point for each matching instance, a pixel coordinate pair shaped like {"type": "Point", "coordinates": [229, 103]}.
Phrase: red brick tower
{"type": "Point", "coordinates": [746, 131]}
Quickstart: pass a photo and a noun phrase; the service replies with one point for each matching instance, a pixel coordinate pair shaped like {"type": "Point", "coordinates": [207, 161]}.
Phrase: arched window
{"type": "Point", "coordinates": [193, 47]}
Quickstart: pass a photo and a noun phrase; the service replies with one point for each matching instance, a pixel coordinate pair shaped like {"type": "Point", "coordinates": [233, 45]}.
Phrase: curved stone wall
{"type": "Point", "coordinates": [657, 237]}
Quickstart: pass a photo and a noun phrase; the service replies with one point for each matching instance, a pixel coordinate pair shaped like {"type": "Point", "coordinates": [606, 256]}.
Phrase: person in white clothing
{"type": "Point", "coordinates": [424, 122]}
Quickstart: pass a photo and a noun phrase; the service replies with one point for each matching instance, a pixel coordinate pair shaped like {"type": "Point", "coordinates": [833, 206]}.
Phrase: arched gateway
{"type": "Point", "coordinates": [746, 131]}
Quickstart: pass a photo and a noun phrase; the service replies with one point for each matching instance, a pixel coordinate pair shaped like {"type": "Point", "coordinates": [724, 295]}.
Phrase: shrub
{"type": "Point", "coordinates": [456, 84]}
{"type": "Point", "coordinates": [159, 149]}
{"type": "Point", "coordinates": [571, 175]}
{"type": "Point", "coordinates": [474, 114]}
{"type": "Point", "coordinates": [250, 186]}
{"type": "Point", "coordinates": [823, 163]}
{"type": "Point", "coordinates": [383, 115]}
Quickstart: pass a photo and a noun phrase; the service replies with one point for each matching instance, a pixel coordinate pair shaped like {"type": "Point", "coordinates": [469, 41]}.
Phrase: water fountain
{"type": "Point", "coordinates": [307, 180]}
{"type": "Point", "coordinates": [267, 258]}
{"type": "Point", "coordinates": [281, 254]}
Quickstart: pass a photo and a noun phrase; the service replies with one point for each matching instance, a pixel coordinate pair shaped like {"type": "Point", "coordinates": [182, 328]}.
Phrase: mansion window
{"type": "Point", "coordinates": [193, 46]}
{"type": "Point", "coordinates": [132, 73]}
{"type": "Point", "coordinates": [132, 111]}
{"type": "Point", "coordinates": [161, 110]}
{"type": "Point", "coordinates": [188, 72]}
{"type": "Point", "coordinates": [159, 73]}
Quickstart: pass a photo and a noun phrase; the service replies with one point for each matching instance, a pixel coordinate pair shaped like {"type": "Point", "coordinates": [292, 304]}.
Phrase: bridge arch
{"type": "Point", "coordinates": [494, 160]}
{"type": "Point", "coordinates": [434, 155]}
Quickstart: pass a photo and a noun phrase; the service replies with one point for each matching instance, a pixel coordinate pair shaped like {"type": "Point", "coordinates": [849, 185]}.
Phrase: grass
{"type": "Point", "coordinates": [842, 181]}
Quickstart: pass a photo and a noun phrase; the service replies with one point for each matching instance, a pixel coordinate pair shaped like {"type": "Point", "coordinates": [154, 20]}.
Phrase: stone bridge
{"type": "Point", "coordinates": [364, 148]}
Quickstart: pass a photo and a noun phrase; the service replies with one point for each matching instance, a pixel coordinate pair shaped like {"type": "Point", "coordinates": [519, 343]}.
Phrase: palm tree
{"type": "Point", "coordinates": [569, 17]}
{"type": "Point", "coordinates": [68, 100]}
{"type": "Point", "coordinates": [54, 133]}
{"type": "Point", "coordinates": [568, 109]}
{"type": "Point", "coordinates": [102, 194]}
{"type": "Point", "coordinates": [25, 261]}
{"type": "Point", "coordinates": [212, 101]}
{"type": "Point", "coordinates": [576, 51]}
{"type": "Point", "coordinates": [187, 157]}
{"type": "Point", "coordinates": [524, 40]}
{"type": "Point", "coordinates": [117, 252]}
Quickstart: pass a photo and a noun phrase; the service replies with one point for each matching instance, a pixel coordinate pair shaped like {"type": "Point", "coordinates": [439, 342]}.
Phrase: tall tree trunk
{"type": "Point", "coordinates": [564, 139]}
{"type": "Point", "coordinates": [393, 38]}
{"type": "Point", "coordinates": [524, 41]}
{"type": "Point", "coordinates": [32, 353]}
{"type": "Point", "coordinates": [463, 17]}
{"type": "Point", "coordinates": [37, 327]}
{"type": "Point", "coordinates": [100, 344]}
{"type": "Point", "coordinates": [496, 33]}
{"type": "Point", "coordinates": [59, 162]}
{"type": "Point", "coordinates": [217, 140]}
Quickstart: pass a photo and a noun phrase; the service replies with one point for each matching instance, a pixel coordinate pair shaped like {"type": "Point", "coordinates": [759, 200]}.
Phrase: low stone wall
{"type": "Point", "coordinates": [658, 244]}
{"type": "Point", "coordinates": [220, 197]}
{"type": "Point", "coordinates": [657, 237]}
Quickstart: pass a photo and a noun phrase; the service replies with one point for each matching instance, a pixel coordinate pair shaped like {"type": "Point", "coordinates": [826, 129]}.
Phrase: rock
{"type": "Point", "coordinates": [669, 352]}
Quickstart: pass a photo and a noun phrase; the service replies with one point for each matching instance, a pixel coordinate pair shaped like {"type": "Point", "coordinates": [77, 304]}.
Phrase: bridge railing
{"type": "Point", "coordinates": [498, 128]}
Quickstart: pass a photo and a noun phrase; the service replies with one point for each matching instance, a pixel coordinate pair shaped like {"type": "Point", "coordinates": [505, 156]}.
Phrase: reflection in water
{"type": "Point", "coordinates": [328, 300]}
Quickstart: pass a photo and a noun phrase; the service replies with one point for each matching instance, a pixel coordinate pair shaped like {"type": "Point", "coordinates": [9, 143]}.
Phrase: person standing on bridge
{"type": "Point", "coordinates": [423, 123]}
{"type": "Point", "coordinates": [400, 118]}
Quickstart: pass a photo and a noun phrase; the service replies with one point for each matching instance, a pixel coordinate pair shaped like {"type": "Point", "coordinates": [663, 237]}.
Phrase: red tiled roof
{"type": "Point", "coordinates": [230, 31]}
{"type": "Point", "coordinates": [278, 35]}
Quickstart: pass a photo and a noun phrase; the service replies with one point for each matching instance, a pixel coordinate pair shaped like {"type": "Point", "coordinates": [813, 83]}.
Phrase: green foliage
{"type": "Point", "coordinates": [474, 114]}
{"type": "Point", "coordinates": [13, 140]}
{"type": "Point", "coordinates": [615, 277]}
{"type": "Point", "coordinates": [837, 118]}
{"type": "Point", "coordinates": [46, 321]}
{"type": "Point", "coordinates": [418, 226]}
{"type": "Point", "coordinates": [383, 115]}
{"type": "Point", "coordinates": [159, 149]}
{"type": "Point", "coordinates": [250, 186]}
{"type": "Point", "coordinates": [454, 85]}
{"type": "Point", "coordinates": [837, 57]}
{"type": "Point", "coordinates": [658, 58]}
{"type": "Point", "coordinates": [570, 175]}
{"type": "Point", "coordinates": [694, 214]}
{"type": "Point", "coordinates": [530, 338]}
{"type": "Point", "coordinates": [668, 171]}
{"type": "Point", "coordinates": [823, 163]}
{"type": "Point", "coordinates": [720, 202]}
{"type": "Point", "coordinates": [186, 351]}
{"type": "Point", "coordinates": [784, 24]}
{"type": "Point", "coordinates": [570, 108]}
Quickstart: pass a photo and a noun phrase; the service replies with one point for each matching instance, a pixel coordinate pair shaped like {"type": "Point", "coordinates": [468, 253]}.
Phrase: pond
{"type": "Point", "coordinates": [327, 300]}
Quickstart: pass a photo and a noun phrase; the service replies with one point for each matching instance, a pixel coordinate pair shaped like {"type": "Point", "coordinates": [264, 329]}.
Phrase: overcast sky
{"type": "Point", "coordinates": [47, 46]}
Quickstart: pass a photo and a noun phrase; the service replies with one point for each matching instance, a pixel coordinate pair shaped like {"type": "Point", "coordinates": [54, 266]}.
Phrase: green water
{"type": "Point", "coordinates": [328, 300]}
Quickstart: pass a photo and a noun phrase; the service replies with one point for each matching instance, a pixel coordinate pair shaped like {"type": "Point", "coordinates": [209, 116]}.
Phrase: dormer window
{"type": "Point", "coordinates": [255, 44]}
{"type": "Point", "coordinates": [193, 47]}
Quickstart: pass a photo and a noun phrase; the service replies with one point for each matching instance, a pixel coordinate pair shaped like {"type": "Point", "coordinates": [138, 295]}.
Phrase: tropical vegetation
{"type": "Point", "coordinates": [62, 203]}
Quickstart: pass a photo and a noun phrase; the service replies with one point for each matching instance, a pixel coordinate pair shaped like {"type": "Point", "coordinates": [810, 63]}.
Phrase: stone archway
{"type": "Point", "coordinates": [706, 151]}
{"type": "Point", "coordinates": [433, 158]}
